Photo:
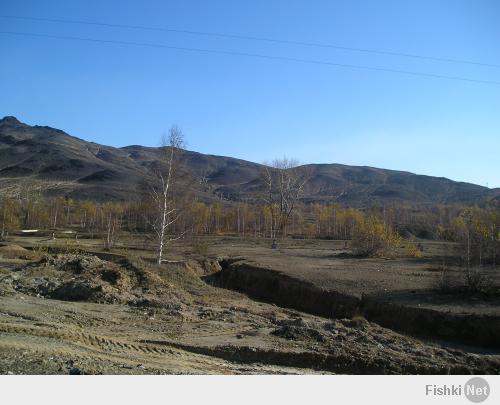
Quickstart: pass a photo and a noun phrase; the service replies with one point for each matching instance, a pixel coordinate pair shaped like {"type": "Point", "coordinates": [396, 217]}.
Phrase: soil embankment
{"type": "Point", "coordinates": [400, 314]}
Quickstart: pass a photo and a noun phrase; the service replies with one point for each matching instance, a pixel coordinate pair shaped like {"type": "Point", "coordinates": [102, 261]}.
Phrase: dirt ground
{"type": "Point", "coordinates": [410, 295]}
{"type": "Point", "coordinates": [82, 313]}
{"type": "Point", "coordinates": [327, 264]}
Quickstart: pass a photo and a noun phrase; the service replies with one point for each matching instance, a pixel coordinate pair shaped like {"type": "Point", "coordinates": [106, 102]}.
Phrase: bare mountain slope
{"type": "Point", "coordinates": [79, 169]}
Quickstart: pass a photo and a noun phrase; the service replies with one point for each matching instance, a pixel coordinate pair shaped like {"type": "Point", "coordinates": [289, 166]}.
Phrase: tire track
{"type": "Point", "coordinates": [185, 359]}
{"type": "Point", "coordinates": [86, 339]}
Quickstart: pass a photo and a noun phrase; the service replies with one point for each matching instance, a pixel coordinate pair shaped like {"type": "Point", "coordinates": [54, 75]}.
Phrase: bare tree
{"type": "Point", "coordinates": [111, 219]}
{"type": "Point", "coordinates": [284, 185]}
{"type": "Point", "coordinates": [163, 193]}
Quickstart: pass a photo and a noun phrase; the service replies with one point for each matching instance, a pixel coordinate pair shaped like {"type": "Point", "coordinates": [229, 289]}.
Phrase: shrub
{"type": "Point", "coordinates": [477, 281]}
{"type": "Point", "coordinates": [39, 251]}
{"type": "Point", "coordinates": [372, 238]}
{"type": "Point", "coordinates": [412, 249]}
{"type": "Point", "coordinates": [465, 281]}
{"type": "Point", "coordinates": [70, 246]}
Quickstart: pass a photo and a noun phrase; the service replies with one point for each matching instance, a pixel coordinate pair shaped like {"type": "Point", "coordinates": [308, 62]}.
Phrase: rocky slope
{"type": "Point", "coordinates": [70, 166]}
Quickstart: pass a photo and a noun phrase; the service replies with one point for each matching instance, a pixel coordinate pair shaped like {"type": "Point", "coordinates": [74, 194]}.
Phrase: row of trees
{"type": "Point", "coordinates": [199, 218]}
{"type": "Point", "coordinates": [478, 229]}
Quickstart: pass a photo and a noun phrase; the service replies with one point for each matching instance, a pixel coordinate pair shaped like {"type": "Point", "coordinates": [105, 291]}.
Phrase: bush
{"type": "Point", "coordinates": [413, 249]}
{"type": "Point", "coordinates": [70, 246]}
{"type": "Point", "coordinates": [39, 251]}
{"type": "Point", "coordinates": [371, 238]}
{"type": "Point", "coordinates": [477, 281]}
{"type": "Point", "coordinates": [465, 281]}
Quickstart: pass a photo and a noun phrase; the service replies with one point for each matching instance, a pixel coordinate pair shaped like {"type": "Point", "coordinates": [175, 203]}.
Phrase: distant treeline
{"type": "Point", "coordinates": [477, 228]}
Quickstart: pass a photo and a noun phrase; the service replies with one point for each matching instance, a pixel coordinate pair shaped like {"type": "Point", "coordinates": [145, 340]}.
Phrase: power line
{"type": "Point", "coordinates": [253, 55]}
{"type": "Point", "coordinates": [254, 38]}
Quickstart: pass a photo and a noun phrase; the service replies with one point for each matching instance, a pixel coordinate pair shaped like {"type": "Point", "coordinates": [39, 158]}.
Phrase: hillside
{"type": "Point", "coordinates": [72, 167]}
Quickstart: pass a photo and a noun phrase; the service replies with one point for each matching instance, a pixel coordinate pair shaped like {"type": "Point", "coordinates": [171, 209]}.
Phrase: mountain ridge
{"type": "Point", "coordinates": [88, 170]}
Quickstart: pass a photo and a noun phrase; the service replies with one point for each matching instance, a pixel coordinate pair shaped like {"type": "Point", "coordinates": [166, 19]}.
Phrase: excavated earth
{"type": "Point", "coordinates": [94, 313]}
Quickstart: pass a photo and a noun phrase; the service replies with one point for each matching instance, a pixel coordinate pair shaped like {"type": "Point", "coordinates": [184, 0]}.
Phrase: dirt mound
{"type": "Point", "coordinates": [12, 251]}
{"type": "Point", "coordinates": [74, 263]}
{"type": "Point", "coordinates": [85, 277]}
{"type": "Point", "coordinates": [297, 329]}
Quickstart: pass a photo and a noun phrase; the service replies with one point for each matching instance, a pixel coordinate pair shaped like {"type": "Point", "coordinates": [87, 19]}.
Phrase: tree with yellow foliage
{"type": "Point", "coordinates": [372, 238]}
{"type": "Point", "coordinates": [9, 216]}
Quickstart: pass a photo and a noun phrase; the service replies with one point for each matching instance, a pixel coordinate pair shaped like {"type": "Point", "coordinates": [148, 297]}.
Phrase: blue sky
{"type": "Point", "coordinates": [257, 109]}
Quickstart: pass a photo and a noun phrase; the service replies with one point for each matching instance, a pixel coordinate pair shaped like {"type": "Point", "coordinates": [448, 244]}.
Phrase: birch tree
{"type": "Point", "coordinates": [163, 193]}
{"type": "Point", "coordinates": [284, 185]}
{"type": "Point", "coordinates": [111, 220]}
